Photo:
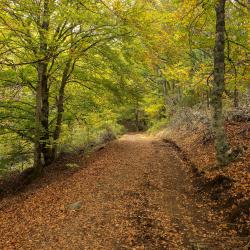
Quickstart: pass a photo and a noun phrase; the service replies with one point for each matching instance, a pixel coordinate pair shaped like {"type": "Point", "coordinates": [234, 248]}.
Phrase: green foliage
{"type": "Point", "coordinates": [125, 61]}
{"type": "Point", "coordinates": [16, 154]}
{"type": "Point", "coordinates": [158, 125]}
{"type": "Point", "coordinates": [88, 134]}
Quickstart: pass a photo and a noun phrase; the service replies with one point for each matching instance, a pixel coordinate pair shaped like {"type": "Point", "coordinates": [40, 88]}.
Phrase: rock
{"type": "Point", "coordinates": [72, 165]}
{"type": "Point", "coordinates": [100, 147]}
{"type": "Point", "coordinates": [75, 206]}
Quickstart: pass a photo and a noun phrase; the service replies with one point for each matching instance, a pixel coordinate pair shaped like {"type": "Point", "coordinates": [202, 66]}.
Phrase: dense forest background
{"type": "Point", "coordinates": [77, 73]}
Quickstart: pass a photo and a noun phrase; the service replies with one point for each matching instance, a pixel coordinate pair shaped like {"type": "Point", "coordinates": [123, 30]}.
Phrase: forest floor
{"type": "Point", "coordinates": [135, 193]}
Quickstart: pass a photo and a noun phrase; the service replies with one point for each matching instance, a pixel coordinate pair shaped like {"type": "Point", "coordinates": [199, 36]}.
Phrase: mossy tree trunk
{"type": "Point", "coordinates": [218, 88]}
{"type": "Point", "coordinates": [42, 94]}
{"type": "Point", "coordinates": [60, 107]}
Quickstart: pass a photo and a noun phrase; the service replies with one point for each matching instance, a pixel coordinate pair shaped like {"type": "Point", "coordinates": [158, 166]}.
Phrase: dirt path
{"type": "Point", "coordinates": [135, 193]}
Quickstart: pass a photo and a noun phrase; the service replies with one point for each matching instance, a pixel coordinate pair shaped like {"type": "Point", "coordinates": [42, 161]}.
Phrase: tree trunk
{"type": "Point", "coordinates": [38, 128]}
{"type": "Point", "coordinates": [60, 109]}
{"type": "Point", "coordinates": [165, 97]}
{"type": "Point", "coordinates": [165, 87]}
{"type": "Point", "coordinates": [221, 144]}
{"type": "Point", "coordinates": [45, 116]}
{"type": "Point", "coordinates": [42, 95]}
{"type": "Point", "coordinates": [236, 97]}
{"type": "Point", "coordinates": [208, 95]}
{"type": "Point", "coordinates": [137, 119]}
{"type": "Point", "coordinates": [248, 94]}
{"type": "Point", "coordinates": [208, 99]}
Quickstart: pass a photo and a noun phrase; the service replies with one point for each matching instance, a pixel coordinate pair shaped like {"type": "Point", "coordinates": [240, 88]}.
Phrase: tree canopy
{"type": "Point", "coordinates": [71, 70]}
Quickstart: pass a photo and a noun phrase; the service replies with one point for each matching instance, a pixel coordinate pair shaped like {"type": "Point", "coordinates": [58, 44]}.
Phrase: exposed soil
{"type": "Point", "coordinates": [135, 193]}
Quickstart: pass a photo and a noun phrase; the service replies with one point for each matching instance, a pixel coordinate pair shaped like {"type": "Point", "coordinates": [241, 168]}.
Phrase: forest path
{"type": "Point", "coordinates": [136, 193]}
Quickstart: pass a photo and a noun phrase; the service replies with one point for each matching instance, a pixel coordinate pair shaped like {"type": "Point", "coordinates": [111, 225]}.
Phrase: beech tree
{"type": "Point", "coordinates": [46, 36]}
{"type": "Point", "coordinates": [221, 144]}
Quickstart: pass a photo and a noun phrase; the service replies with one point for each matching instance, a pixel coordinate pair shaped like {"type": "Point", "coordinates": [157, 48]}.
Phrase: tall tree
{"type": "Point", "coordinates": [221, 144]}
{"type": "Point", "coordinates": [42, 91]}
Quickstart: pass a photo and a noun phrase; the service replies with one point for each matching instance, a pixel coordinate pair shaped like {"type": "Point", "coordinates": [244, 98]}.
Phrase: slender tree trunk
{"type": "Point", "coordinates": [38, 127]}
{"type": "Point", "coordinates": [60, 109]}
{"type": "Point", "coordinates": [45, 116]}
{"type": "Point", "coordinates": [165, 97]}
{"type": "Point", "coordinates": [208, 95]}
{"type": "Point", "coordinates": [164, 90]}
{"type": "Point", "coordinates": [173, 87]}
{"type": "Point", "coordinates": [44, 82]}
{"type": "Point", "coordinates": [208, 99]}
{"type": "Point", "coordinates": [236, 97]}
{"type": "Point", "coordinates": [137, 119]}
{"type": "Point", "coordinates": [248, 94]}
{"type": "Point", "coordinates": [221, 144]}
